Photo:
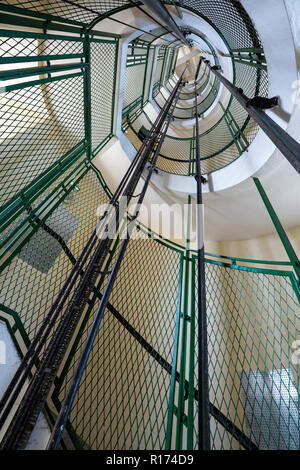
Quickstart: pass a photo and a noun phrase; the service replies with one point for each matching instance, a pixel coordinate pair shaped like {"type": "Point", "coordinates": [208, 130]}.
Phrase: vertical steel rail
{"type": "Point", "coordinates": [163, 14]}
{"type": "Point", "coordinates": [203, 387]}
{"type": "Point", "coordinates": [145, 76]}
{"type": "Point", "coordinates": [191, 388]}
{"type": "Point", "coordinates": [87, 95]}
{"type": "Point", "coordinates": [113, 98]}
{"type": "Point", "coordinates": [21, 374]}
{"type": "Point", "coordinates": [82, 362]}
{"type": "Point", "coordinates": [288, 146]}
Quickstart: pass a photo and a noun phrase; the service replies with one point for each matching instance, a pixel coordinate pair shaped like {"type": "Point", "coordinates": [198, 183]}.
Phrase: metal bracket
{"type": "Point", "coordinates": [203, 180]}
{"type": "Point", "coordinates": [263, 103]}
{"type": "Point", "coordinates": [216, 67]}
{"type": "Point", "coordinates": [104, 273]}
{"type": "Point", "coordinates": [182, 418]}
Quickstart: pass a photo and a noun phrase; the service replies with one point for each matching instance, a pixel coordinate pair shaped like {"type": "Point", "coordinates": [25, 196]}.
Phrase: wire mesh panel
{"type": "Point", "coordinates": [159, 66]}
{"type": "Point", "coordinates": [31, 281]}
{"type": "Point", "coordinates": [253, 320]}
{"type": "Point", "coordinates": [137, 76]}
{"type": "Point", "coordinates": [133, 86]}
{"type": "Point", "coordinates": [48, 118]}
{"type": "Point", "coordinates": [103, 81]}
{"type": "Point", "coordinates": [41, 121]}
{"type": "Point", "coordinates": [123, 397]}
{"type": "Point", "coordinates": [235, 26]}
{"type": "Point", "coordinates": [176, 167]}
{"type": "Point", "coordinates": [148, 79]}
{"type": "Point", "coordinates": [31, 144]}
{"type": "Point", "coordinates": [176, 148]}
{"type": "Point", "coordinates": [80, 13]}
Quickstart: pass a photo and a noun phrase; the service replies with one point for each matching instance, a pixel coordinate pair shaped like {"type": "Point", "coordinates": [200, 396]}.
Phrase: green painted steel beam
{"type": "Point", "coordinates": [10, 33]}
{"type": "Point", "coordinates": [251, 64]}
{"type": "Point", "coordinates": [104, 41]}
{"type": "Point", "coordinates": [252, 50]}
{"type": "Point", "coordinates": [145, 75]}
{"type": "Point", "coordinates": [60, 37]}
{"type": "Point", "coordinates": [50, 25]}
{"type": "Point", "coordinates": [39, 58]}
{"type": "Point", "coordinates": [18, 325]}
{"type": "Point", "coordinates": [250, 56]}
{"type": "Point", "coordinates": [279, 228]}
{"type": "Point", "coordinates": [39, 14]}
{"type": "Point", "coordinates": [21, 86]}
{"type": "Point", "coordinates": [19, 73]}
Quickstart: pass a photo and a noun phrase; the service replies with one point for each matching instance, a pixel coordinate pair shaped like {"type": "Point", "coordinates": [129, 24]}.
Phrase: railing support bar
{"type": "Point", "coordinates": [203, 387]}
{"type": "Point", "coordinates": [279, 228]}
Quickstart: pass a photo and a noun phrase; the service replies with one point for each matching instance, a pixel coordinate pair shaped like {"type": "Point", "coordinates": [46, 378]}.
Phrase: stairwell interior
{"type": "Point", "coordinates": [149, 341]}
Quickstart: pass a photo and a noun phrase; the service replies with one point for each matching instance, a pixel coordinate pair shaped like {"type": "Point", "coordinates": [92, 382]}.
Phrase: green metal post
{"type": "Point", "coordinates": [253, 56]}
{"type": "Point", "coordinates": [203, 379]}
{"type": "Point", "coordinates": [115, 87]}
{"type": "Point", "coordinates": [174, 362]}
{"type": "Point", "coordinates": [191, 392]}
{"type": "Point", "coordinates": [163, 68]}
{"type": "Point", "coordinates": [237, 134]}
{"type": "Point", "coordinates": [87, 96]}
{"type": "Point", "coordinates": [145, 77]}
{"type": "Point", "coordinates": [181, 418]}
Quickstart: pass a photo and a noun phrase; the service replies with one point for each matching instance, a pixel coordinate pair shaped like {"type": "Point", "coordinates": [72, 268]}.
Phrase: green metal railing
{"type": "Point", "coordinates": [47, 119]}
{"type": "Point", "coordinates": [139, 71]}
{"type": "Point", "coordinates": [253, 56]}
{"type": "Point", "coordinates": [177, 154]}
{"type": "Point", "coordinates": [136, 68]}
{"type": "Point", "coordinates": [224, 142]}
{"type": "Point", "coordinates": [140, 386]}
{"type": "Point", "coordinates": [253, 318]}
{"type": "Point", "coordinates": [159, 69]}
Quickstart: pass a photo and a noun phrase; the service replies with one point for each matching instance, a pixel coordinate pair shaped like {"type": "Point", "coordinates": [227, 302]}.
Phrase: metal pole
{"type": "Point", "coordinates": [45, 374]}
{"type": "Point", "coordinates": [67, 404]}
{"type": "Point", "coordinates": [203, 396]}
{"type": "Point", "coordinates": [283, 141]}
{"type": "Point", "coordinates": [162, 13]}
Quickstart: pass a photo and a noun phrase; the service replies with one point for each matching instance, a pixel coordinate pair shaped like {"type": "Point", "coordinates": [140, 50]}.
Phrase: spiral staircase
{"type": "Point", "coordinates": [148, 340]}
